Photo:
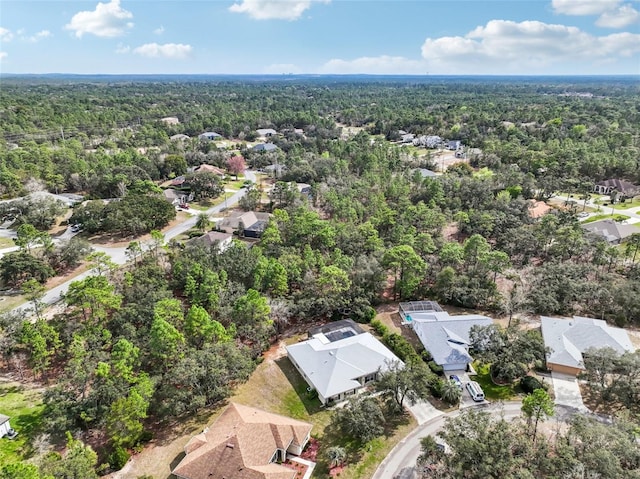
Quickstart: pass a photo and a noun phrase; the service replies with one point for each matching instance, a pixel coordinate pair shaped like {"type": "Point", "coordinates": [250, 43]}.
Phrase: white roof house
{"type": "Point", "coordinates": [445, 337]}
{"type": "Point", "coordinates": [5, 427]}
{"type": "Point", "coordinates": [339, 368]}
{"type": "Point", "coordinates": [567, 339]}
{"type": "Point", "coordinates": [266, 132]}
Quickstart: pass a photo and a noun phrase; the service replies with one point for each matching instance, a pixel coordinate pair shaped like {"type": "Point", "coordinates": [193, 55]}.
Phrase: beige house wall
{"type": "Point", "coordinates": [560, 368]}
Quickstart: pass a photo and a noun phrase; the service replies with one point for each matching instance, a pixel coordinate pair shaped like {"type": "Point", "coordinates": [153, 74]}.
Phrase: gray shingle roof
{"type": "Point", "coordinates": [446, 337]}
{"type": "Point", "coordinates": [3, 419]}
{"type": "Point", "coordinates": [611, 230]}
{"type": "Point", "coordinates": [567, 339]}
{"type": "Point", "coordinates": [265, 147]}
{"type": "Point", "coordinates": [333, 367]}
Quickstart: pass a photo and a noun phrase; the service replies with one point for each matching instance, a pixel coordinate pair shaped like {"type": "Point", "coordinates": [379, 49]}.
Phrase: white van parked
{"type": "Point", "coordinates": [475, 391]}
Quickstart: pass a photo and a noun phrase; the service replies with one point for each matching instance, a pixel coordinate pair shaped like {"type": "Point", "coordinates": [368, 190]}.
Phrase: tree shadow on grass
{"type": "Point", "coordinates": [309, 399]}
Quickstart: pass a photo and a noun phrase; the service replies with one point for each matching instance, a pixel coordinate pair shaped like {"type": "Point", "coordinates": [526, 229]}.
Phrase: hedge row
{"type": "Point", "coordinates": [396, 343]}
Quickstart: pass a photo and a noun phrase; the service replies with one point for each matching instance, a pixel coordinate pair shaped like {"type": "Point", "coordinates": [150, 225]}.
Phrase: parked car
{"type": "Point", "coordinates": [184, 206]}
{"type": "Point", "coordinates": [456, 380]}
{"type": "Point", "coordinates": [76, 228]}
{"type": "Point", "coordinates": [475, 391]}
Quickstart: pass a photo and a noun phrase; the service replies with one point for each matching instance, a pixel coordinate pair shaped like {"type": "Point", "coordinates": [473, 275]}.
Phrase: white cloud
{"type": "Point", "coordinates": [39, 36]}
{"type": "Point", "coordinates": [381, 65]}
{"type": "Point", "coordinates": [159, 30]}
{"type": "Point", "coordinates": [612, 13]}
{"type": "Point", "coordinates": [5, 35]}
{"type": "Point", "coordinates": [122, 49]}
{"type": "Point", "coordinates": [3, 55]}
{"type": "Point", "coordinates": [168, 50]}
{"type": "Point", "coordinates": [583, 7]}
{"type": "Point", "coordinates": [107, 20]}
{"type": "Point", "coordinates": [524, 48]}
{"type": "Point", "coordinates": [282, 68]}
{"type": "Point", "coordinates": [621, 17]}
{"type": "Point", "coordinates": [274, 9]}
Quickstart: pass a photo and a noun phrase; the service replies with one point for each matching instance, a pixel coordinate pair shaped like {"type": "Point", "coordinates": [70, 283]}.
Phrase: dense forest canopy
{"type": "Point", "coordinates": [176, 329]}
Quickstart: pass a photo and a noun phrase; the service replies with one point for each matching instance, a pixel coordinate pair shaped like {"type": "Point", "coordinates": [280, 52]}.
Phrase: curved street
{"type": "Point", "coordinates": [119, 256]}
{"type": "Point", "coordinates": [406, 452]}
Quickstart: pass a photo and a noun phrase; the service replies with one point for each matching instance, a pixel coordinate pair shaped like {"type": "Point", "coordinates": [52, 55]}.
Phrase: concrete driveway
{"type": "Point", "coordinates": [567, 391]}
{"type": "Point", "coordinates": [402, 458]}
{"type": "Point", "coordinates": [424, 411]}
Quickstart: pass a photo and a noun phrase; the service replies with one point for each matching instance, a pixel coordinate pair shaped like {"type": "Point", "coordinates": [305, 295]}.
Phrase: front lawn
{"type": "Point", "coordinates": [277, 386]}
{"type": "Point", "coordinates": [501, 392]}
{"type": "Point", "coordinates": [24, 408]}
{"type": "Point", "coordinates": [615, 217]}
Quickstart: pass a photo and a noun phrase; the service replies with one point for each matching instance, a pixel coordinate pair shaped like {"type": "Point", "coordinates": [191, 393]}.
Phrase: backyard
{"type": "Point", "coordinates": [24, 408]}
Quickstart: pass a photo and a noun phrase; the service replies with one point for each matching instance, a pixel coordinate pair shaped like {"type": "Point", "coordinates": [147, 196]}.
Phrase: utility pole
{"type": "Point", "coordinates": [62, 133]}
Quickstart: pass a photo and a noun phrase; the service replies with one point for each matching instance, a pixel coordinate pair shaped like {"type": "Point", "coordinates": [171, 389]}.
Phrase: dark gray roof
{"type": "Point", "coordinates": [622, 186]}
{"type": "Point", "coordinates": [611, 230]}
{"type": "Point", "coordinates": [211, 238]}
{"type": "Point", "coordinates": [265, 147]}
{"type": "Point", "coordinates": [427, 173]}
{"type": "Point", "coordinates": [210, 135]}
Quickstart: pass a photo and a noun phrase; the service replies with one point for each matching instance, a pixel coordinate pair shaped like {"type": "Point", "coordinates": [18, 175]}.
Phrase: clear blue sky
{"type": "Point", "coordinates": [321, 36]}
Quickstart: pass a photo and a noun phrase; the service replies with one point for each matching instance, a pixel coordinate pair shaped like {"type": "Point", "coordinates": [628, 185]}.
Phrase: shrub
{"type": "Point", "coordinates": [379, 328]}
{"type": "Point", "coordinates": [368, 314]}
{"type": "Point", "coordinates": [530, 384]}
{"type": "Point", "coordinates": [436, 368]}
{"type": "Point", "coordinates": [146, 436]}
{"type": "Point", "coordinates": [436, 387]}
{"type": "Point", "coordinates": [118, 458]}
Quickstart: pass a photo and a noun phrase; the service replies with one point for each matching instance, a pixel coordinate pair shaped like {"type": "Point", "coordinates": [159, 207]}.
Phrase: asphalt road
{"type": "Point", "coordinates": [119, 256]}
{"type": "Point", "coordinates": [405, 455]}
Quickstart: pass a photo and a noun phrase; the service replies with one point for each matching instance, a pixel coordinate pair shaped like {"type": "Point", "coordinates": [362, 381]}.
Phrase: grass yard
{"type": "Point", "coordinates": [615, 217]}
{"type": "Point", "coordinates": [6, 243]}
{"type": "Point", "coordinates": [24, 408]}
{"type": "Point", "coordinates": [7, 303]}
{"type": "Point", "coordinates": [207, 203]}
{"type": "Point", "coordinates": [491, 390]}
{"type": "Point", "coordinates": [278, 387]}
{"type": "Point", "coordinates": [627, 204]}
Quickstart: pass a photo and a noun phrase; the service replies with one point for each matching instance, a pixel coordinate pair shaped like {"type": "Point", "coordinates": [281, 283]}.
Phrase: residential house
{"type": "Point", "coordinates": [537, 209]}
{"type": "Point", "coordinates": [244, 443]}
{"type": "Point", "coordinates": [445, 337]}
{"type": "Point", "coordinates": [266, 132]}
{"type": "Point", "coordinates": [625, 189]}
{"type": "Point", "coordinates": [427, 173]}
{"type": "Point", "coordinates": [612, 231]}
{"type": "Point", "coordinates": [253, 223]}
{"type": "Point", "coordinates": [210, 135]}
{"type": "Point", "coordinates": [177, 198]}
{"type": "Point", "coordinates": [204, 168]}
{"type": "Point", "coordinates": [453, 145]}
{"type": "Point", "coordinates": [180, 137]}
{"type": "Point", "coordinates": [339, 360]}
{"type": "Point", "coordinates": [170, 120]}
{"type": "Point", "coordinates": [304, 189]}
{"type": "Point", "coordinates": [264, 147]}
{"type": "Point", "coordinates": [275, 170]}
{"type": "Point", "coordinates": [407, 138]}
{"type": "Point", "coordinates": [568, 339]}
{"type": "Point", "coordinates": [430, 141]}
{"type": "Point", "coordinates": [5, 427]}
{"type": "Point", "coordinates": [213, 239]}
